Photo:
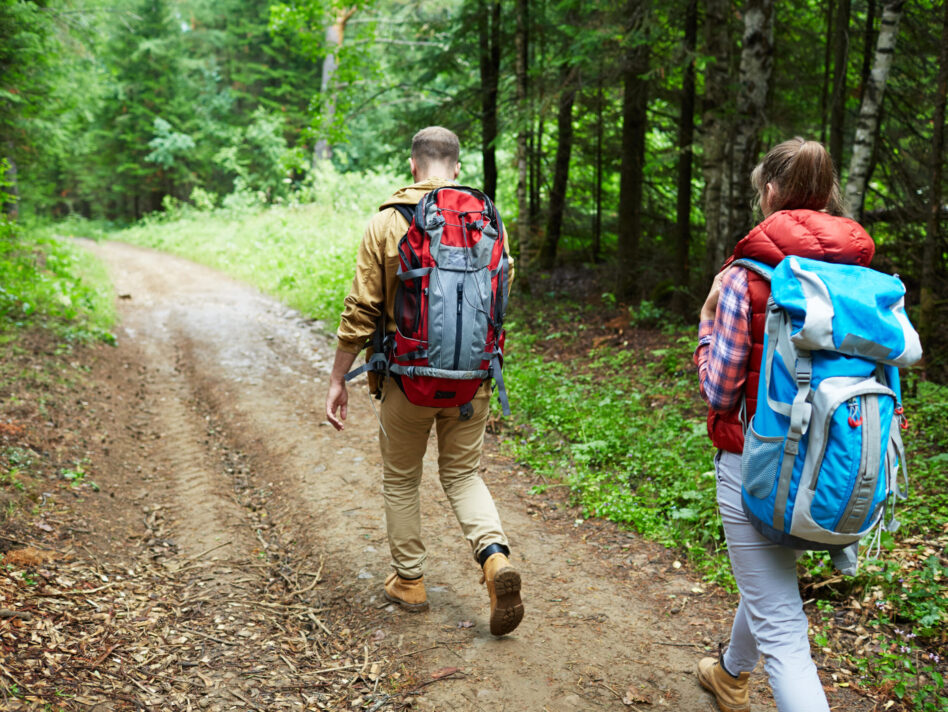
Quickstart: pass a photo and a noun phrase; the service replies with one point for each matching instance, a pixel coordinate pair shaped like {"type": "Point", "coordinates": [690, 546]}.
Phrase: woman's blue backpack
{"type": "Point", "coordinates": [823, 452]}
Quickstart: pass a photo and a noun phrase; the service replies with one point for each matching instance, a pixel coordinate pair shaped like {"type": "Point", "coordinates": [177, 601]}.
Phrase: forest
{"type": "Point", "coordinates": [617, 139]}
{"type": "Point", "coordinates": [616, 136]}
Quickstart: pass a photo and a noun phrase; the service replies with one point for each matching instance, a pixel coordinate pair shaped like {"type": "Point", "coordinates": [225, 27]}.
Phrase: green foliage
{"type": "Point", "coordinates": [620, 427]}
{"type": "Point", "coordinates": [51, 283]}
{"type": "Point", "coordinates": [301, 253]}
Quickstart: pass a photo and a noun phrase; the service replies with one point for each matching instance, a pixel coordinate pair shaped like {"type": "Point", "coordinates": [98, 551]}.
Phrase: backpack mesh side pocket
{"type": "Point", "coordinates": [760, 462]}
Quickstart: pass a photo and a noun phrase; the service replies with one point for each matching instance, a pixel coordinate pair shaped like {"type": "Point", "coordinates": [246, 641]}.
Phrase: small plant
{"type": "Point", "coordinates": [77, 475]}
{"type": "Point", "coordinates": [647, 315]}
{"type": "Point", "coordinates": [10, 478]}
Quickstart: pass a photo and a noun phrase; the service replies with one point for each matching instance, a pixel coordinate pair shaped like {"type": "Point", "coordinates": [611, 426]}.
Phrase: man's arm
{"type": "Point", "coordinates": [338, 396]}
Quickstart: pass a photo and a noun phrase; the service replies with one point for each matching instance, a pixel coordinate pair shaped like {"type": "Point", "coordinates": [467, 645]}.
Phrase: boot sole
{"type": "Point", "coordinates": [508, 612]}
{"type": "Point", "coordinates": [413, 607]}
{"type": "Point", "coordinates": [721, 706]}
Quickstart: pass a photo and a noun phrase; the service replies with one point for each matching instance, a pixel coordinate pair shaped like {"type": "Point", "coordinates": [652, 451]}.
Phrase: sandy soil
{"type": "Point", "coordinates": [217, 394]}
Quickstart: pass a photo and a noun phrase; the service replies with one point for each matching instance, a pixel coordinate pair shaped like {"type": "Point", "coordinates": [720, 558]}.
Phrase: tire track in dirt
{"type": "Point", "coordinates": [607, 617]}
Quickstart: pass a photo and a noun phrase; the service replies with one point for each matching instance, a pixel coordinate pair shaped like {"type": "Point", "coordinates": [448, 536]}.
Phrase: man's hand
{"type": "Point", "coordinates": [338, 396]}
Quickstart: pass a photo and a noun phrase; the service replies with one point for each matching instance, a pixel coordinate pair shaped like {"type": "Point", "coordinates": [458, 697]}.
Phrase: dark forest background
{"type": "Point", "coordinates": [616, 136]}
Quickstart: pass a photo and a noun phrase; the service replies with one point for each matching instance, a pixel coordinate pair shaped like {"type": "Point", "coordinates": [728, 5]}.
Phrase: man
{"type": "Point", "coordinates": [404, 427]}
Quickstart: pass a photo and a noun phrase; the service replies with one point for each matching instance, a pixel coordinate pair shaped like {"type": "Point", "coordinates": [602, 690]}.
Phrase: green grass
{"type": "Point", "coordinates": [303, 254]}
{"type": "Point", "coordinates": [623, 427]}
{"type": "Point", "coordinates": [52, 283]}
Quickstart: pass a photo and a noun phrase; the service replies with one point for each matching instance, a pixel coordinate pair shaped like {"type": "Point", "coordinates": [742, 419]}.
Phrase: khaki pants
{"type": "Point", "coordinates": [404, 439]}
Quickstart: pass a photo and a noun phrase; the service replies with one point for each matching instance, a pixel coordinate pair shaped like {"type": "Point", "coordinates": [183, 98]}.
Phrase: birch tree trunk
{"type": "Point", "coordinates": [757, 59]}
{"type": "Point", "coordinates": [861, 162]}
{"type": "Point", "coordinates": [335, 33]}
{"type": "Point", "coordinates": [524, 224]}
{"type": "Point", "coordinates": [716, 128]}
{"type": "Point", "coordinates": [930, 257]}
{"type": "Point", "coordinates": [490, 74]}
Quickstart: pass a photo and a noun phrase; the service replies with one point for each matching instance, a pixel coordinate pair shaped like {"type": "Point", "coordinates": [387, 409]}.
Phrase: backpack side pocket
{"type": "Point", "coordinates": [760, 462]}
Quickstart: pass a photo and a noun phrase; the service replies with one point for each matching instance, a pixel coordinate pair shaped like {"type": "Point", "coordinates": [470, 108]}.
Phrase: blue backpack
{"type": "Point", "coordinates": [823, 451]}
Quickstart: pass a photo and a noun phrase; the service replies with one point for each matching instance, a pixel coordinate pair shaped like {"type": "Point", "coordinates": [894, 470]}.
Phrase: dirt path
{"type": "Point", "coordinates": [223, 444]}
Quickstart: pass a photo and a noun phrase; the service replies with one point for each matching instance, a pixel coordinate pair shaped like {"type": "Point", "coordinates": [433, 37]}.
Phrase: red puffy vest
{"type": "Point", "coordinates": [805, 233]}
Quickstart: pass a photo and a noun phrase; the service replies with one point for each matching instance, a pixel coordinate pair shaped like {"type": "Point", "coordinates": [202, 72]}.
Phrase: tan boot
{"type": "Point", "coordinates": [408, 593]}
{"type": "Point", "coordinates": [731, 693]}
{"type": "Point", "coordinates": [503, 587]}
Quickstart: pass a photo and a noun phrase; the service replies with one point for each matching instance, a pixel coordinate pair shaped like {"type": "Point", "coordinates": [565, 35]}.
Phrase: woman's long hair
{"type": "Point", "coordinates": [802, 175]}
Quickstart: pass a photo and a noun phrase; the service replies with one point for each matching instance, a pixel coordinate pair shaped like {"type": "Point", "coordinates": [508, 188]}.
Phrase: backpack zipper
{"type": "Point", "coordinates": [457, 328]}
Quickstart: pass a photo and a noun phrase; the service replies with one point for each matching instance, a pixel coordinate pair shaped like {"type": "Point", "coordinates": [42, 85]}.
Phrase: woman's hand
{"type": "Point", "coordinates": [710, 306]}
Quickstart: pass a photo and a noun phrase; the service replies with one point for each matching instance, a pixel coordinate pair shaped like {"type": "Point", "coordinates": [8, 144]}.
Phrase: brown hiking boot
{"type": "Point", "coordinates": [731, 693]}
{"type": "Point", "coordinates": [503, 587]}
{"type": "Point", "coordinates": [408, 593]}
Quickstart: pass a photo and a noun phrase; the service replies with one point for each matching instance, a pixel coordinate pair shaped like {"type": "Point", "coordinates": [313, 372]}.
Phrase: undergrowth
{"type": "Point", "coordinates": [303, 254]}
{"type": "Point", "coordinates": [618, 420]}
{"type": "Point", "coordinates": [50, 283]}
{"type": "Point", "coordinates": [622, 425]}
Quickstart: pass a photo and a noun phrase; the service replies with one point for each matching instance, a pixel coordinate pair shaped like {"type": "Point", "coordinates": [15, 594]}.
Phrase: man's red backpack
{"type": "Point", "coordinates": [454, 275]}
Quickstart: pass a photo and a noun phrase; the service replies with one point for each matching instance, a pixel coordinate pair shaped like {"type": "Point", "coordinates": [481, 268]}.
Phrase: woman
{"type": "Point", "coordinates": [800, 199]}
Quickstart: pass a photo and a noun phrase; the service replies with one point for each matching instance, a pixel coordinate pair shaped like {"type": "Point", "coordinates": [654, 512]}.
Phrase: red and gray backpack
{"type": "Point", "coordinates": [454, 276]}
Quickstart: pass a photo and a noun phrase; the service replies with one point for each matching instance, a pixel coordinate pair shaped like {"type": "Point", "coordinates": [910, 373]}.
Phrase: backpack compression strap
{"type": "Point", "coordinates": [378, 361]}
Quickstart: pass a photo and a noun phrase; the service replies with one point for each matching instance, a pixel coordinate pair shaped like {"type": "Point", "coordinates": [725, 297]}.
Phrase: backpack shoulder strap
{"type": "Point", "coordinates": [406, 211]}
{"type": "Point", "coordinates": [764, 270]}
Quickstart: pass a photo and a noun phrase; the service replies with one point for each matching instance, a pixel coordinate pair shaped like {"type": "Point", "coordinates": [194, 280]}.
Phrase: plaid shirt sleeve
{"type": "Point", "coordinates": [724, 345]}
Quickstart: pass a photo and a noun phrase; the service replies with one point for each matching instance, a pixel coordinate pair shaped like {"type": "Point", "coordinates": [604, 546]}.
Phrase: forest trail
{"type": "Point", "coordinates": [220, 393]}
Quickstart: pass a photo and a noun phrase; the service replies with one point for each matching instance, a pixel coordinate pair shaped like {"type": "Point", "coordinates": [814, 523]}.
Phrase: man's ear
{"type": "Point", "coordinates": [411, 166]}
{"type": "Point", "coordinates": [457, 169]}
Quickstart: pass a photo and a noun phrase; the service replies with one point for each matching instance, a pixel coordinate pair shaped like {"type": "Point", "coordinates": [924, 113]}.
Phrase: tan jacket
{"type": "Point", "coordinates": [376, 275]}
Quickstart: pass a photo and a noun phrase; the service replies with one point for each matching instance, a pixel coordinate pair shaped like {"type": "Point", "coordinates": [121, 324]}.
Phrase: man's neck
{"type": "Point", "coordinates": [433, 176]}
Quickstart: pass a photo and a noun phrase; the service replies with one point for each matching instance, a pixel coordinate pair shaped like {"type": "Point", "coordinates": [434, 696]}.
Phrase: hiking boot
{"type": "Point", "coordinates": [731, 693]}
{"type": "Point", "coordinates": [408, 593]}
{"type": "Point", "coordinates": [503, 587]}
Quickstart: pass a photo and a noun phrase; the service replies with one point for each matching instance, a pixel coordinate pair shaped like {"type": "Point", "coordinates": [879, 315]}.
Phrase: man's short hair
{"type": "Point", "coordinates": [435, 144]}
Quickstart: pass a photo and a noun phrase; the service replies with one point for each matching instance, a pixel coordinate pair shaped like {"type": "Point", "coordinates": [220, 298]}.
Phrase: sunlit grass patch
{"type": "Point", "coordinates": [303, 254]}
{"type": "Point", "coordinates": [53, 283]}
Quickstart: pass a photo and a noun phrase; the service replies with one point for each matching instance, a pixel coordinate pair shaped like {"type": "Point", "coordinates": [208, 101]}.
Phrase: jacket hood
{"type": "Point", "coordinates": [412, 194]}
{"type": "Point", "coordinates": [806, 233]}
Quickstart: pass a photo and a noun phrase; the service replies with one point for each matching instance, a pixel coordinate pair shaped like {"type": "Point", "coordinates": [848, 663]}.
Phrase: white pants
{"type": "Point", "coordinates": [770, 620]}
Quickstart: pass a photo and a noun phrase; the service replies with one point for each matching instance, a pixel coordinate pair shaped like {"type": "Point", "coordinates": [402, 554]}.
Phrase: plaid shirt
{"type": "Point", "coordinates": [724, 345]}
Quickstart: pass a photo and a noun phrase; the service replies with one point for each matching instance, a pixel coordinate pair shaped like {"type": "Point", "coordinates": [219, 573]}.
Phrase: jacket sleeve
{"type": "Point", "coordinates": [366, 299]}
{"type": "Point", "coordinates": [510, 260]}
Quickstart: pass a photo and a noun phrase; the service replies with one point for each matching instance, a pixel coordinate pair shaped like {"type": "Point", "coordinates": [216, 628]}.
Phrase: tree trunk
{"type": "Point", "coordinates": [634, 127]}
{"type": "Point", "coordinates": [867, 43]}
{"type": "Point", "coordinates": [686, 130]}
{"type": "Point", "coordinates": [716, 128]}
{"type": "Point", "coordinates": [597, 217]}
{"type": "Point", "coordinates": [521, 47]}
{"type": "Point", "coordinates": [930, 252]}
{"type": "Point", "coordinates": [564, 147]}
{"type": "Point", "coordinates": [757, 56]}
{"type": "Point", "coordinates": [334, 35]}
{"type": "Point", "coordinates": [840, 64]}
{"type": "Point", "coordinates": [10, 194]}
{"type": "Point", "coordinates": [489, 18]}
{"type": "Point", "coordinates": [827, 57]}
{"type": "Point", "coordinates": [864, 141]}
{"type": "Point", "coordinates": [536, 169]}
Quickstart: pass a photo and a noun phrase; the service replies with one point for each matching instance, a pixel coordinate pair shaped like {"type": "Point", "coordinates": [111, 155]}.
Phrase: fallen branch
{"type": "Point", "coordinates": [77, 592]}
